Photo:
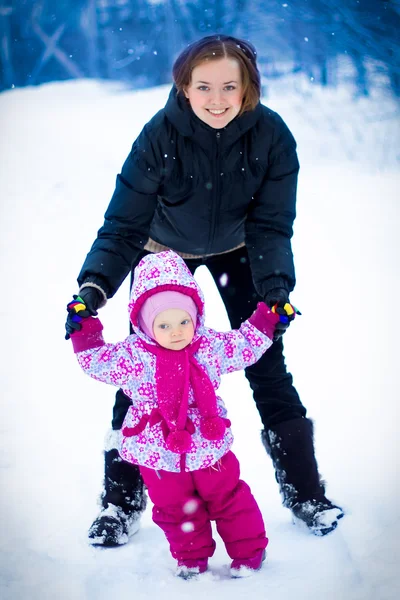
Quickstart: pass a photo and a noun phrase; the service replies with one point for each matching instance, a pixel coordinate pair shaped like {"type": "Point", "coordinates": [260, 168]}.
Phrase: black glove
{"type": "Point", "coordinates": [83, 306]}
{"type": "Point", "coordinates": [92, 298]}
{"type": "Point", "coordinates": [278, 297]}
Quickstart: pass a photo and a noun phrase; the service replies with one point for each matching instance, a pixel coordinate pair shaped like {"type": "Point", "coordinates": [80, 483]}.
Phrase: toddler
{"type": "Point", "coordinates": [177, 429]}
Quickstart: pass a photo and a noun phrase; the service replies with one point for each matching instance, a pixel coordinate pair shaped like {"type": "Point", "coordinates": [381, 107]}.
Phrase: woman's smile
{"type": "Point", "coordinates": [215, 92]}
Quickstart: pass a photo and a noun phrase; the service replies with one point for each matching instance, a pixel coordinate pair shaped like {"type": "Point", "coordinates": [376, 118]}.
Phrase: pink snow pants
{"type": "Point", "coordinates": [185, 504]}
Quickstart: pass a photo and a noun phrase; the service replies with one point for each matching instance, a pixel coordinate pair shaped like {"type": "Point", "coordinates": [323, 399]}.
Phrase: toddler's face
{"type": "Point", "coordinates": [173, 329]}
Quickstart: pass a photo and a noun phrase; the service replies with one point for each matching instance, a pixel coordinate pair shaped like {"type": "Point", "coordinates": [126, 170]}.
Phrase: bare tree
{"type": "Point", "coordinates": [5, 45]}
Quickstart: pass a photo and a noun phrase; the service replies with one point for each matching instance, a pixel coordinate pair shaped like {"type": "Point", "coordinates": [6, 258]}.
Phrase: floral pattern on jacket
{"type": "Point", "coordinates": [130, 366]}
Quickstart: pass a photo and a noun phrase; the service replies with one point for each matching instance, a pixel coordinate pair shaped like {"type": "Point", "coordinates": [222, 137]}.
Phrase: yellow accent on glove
{"type": "Point", "coordinates": [79, 307]}
{"type": "Point", "coordinates": [288, 308]}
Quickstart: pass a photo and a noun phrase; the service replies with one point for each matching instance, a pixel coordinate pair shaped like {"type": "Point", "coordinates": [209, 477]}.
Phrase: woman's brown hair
{"type": "Point", "coordinates": [215, 47]}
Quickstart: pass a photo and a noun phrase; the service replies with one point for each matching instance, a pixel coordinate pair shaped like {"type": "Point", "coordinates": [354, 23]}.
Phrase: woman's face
{"type": "Point", "coordinates": [215, 92]}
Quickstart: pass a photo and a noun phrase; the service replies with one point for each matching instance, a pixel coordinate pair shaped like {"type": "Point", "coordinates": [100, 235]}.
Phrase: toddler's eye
{"type": "Point", "coordinates": [185, 322]}
{"type": "Point", "coordinates": [163, 326]}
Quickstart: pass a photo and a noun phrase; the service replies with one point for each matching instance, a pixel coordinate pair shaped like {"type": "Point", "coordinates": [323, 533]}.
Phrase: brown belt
{"type": "Point", "coordinates": [152, 246]}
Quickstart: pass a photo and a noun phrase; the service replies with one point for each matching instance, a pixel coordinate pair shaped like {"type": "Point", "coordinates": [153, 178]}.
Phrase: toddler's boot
{"type": "Point", "coordinates": [245, 567]}
{"type": "Point", "coordinates": [190, 569]}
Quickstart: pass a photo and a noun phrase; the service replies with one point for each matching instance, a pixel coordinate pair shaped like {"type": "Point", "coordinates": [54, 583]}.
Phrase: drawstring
{"type": "Point", "coordinates": [152, 419]}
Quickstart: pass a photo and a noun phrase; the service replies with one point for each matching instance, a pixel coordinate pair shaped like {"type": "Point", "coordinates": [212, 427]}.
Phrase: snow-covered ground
{"type": "Point", "coordinates": [60, 149]}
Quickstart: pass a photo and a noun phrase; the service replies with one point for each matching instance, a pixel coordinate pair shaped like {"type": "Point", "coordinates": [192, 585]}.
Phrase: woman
{"type": "Point", "coordinates": [213, 177]}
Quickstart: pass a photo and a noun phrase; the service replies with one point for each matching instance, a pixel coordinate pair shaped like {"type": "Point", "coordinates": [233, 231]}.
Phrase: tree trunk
{"type": "Point", "coordinates": [89, 26]}
{"type": "Point", "coordinates": [5, 46]}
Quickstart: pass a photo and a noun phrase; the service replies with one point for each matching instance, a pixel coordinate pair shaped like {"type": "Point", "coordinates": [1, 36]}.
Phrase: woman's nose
{"type": "Point", "coordinates": [217, 97]}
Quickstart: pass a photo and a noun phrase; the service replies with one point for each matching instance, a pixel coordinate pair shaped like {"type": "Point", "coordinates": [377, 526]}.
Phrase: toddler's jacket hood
{"type": "Point", "coordinates": [158, 273]}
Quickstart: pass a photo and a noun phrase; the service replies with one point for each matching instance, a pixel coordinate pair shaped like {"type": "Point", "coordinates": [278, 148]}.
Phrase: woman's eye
{"type": "Point", "coordinates": [203, 88]}
{"type": "Point", "coordinates": [229, 88]}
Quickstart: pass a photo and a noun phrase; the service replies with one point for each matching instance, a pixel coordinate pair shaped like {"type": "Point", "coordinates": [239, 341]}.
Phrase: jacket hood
{"type": "Point", "coordinates": [159, 273]}
{"type": "Point", "coordinates": [182, 117]}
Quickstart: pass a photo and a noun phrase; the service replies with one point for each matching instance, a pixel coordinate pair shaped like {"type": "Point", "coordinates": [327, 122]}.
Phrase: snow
{"type": "Point", "coordinates": [61, 147]}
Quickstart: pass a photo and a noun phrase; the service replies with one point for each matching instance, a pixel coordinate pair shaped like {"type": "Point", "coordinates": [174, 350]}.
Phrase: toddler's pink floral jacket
{"type": "Point", "coordinates": [131, 365]}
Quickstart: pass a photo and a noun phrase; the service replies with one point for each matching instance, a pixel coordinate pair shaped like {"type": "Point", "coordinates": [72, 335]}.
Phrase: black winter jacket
{"type": "Point", "coordinates": [201, 191]}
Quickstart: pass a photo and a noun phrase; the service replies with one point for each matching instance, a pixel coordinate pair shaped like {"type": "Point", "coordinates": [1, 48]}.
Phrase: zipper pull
{"type": "Point", "coordinates": [218, 135]}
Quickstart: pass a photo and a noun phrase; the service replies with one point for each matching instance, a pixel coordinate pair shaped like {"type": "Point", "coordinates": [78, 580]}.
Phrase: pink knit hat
{"type": "Point", "coordinates": [163, 301]}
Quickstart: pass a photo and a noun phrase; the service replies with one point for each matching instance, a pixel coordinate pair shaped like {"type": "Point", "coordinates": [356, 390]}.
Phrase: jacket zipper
{"type": "Point", "coordinates": [216, 193]}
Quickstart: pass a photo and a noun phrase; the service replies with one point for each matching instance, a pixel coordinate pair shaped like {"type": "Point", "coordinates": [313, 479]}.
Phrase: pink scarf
{"type": "Point", "coordinates": [176, 371]}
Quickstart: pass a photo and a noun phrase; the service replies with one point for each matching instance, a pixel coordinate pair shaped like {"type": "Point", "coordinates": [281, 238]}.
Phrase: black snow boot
{"type": "Point", "coordinates": [123, 501]}
{"type": "Point", "coordinates": [291, 447]}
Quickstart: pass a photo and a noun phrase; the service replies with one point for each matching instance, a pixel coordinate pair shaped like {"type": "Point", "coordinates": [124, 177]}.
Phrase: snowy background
{"type": "Point", "coordinates": [61, 147]}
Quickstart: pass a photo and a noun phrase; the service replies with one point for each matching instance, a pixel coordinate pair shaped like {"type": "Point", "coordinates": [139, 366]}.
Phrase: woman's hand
{"type": "Point", "coordinates": [82, 306]}
{"type": "Point", "coordinates": [92, 298]}
{"type": "Point", "coordinates": [278, 301]}
{"type": "Point", "coordinates": [77, 310]}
